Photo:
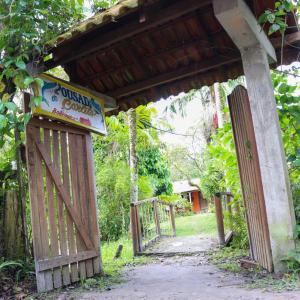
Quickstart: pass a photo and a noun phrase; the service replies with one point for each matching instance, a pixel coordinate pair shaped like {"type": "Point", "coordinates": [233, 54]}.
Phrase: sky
{"type": "Point", "coordinates": [178, 123]}
{"type": "Point", "coordinates": [193, 114]}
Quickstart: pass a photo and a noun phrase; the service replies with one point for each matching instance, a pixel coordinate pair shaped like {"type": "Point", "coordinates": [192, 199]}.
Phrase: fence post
{"type": "Point", "coordinates": [229, 209]}
{"type": "Point", "coordinates": [219, 217]}
{"type": "Point", "coordinates": [173, 219]}
{"type": "Point", "coordinates": [134, 229]}
{"type": "Point", "coordinates": [156, 217]}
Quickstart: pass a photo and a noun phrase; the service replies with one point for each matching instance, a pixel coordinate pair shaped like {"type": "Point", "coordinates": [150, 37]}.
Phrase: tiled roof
{"type": "Point", "coordinates": [100, 18]}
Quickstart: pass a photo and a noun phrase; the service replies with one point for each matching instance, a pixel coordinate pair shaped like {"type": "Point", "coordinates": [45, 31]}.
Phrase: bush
{"type": "Point", "coordinates": [113, 184]}
{"type": "Point", "coordinates": [183, 207]}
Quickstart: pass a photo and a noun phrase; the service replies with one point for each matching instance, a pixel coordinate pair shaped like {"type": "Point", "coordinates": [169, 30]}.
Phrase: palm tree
{"type": "Point", "coordinates": [133, 155]}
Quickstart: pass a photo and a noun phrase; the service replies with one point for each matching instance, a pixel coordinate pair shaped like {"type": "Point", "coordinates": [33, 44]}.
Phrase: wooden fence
{"type": "Point", "coordinates": [151, 219]}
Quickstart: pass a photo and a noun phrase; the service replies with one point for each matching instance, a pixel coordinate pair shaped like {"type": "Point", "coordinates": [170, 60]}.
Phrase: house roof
{"type": "Point", "coordinates": [183, 186]}
{"type": "Point", "coordinates": [143, 50]}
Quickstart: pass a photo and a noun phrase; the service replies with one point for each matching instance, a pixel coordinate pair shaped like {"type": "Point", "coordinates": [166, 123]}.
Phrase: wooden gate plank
{"type": "Point", "coordinates": [65, 196]}
{"type": "Point", "coordinates": [60, 207]}
{"type": "Point", "coordinates": [57, 280]}
{"type": "Point", "coordinates": [84, 201]}
{"type": "Point", "coordinates": [80, 199]}
{"type": "Point", "coordinates": [74, 183]}
{"type": "Point", "coordinates": [97, 262]}
{"type": "Point", "coordinates": [53, 262]}
{"type": "Point", "coordinates": [66, 180]}
{"type": "Point", "coordinates": [31, 159]}
{"type": "Point", "coordinates": [44, 239]}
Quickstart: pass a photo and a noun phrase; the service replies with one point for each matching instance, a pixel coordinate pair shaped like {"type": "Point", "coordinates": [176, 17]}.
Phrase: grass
{"type": "Point", "coordinates": [111, 265]}
{"type": "Point", "coordinates": [227, 258]}
{"type": "Point", "coordinates": [256, 277]}
{"type": "Point", "coordinates": [196, 224]}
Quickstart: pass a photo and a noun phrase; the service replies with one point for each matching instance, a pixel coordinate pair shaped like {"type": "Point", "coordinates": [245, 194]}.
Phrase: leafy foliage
{"type": "Point", "coordinates": [25, 28]}
{"type": "Point", "coordinates": [277, 17]}
{"type": "Point", "coordinates": [153, 163]}
{"type": "Point", "coordinates": [113, 173]}
{"type": "Point", "coordinates": [288, 103]}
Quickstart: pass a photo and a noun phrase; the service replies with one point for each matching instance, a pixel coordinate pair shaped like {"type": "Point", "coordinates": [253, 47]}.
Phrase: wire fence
{"type": "Point", "coordinates": [151, 219]}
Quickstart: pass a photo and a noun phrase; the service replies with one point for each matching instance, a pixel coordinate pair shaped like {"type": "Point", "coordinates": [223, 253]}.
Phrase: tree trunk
{"type": "Point", "coordinates": [12, 224]}
{"type": "Point", "coordinates": [21, 193]}
{"type": "Point", "coordinates": [133, 156]}
{"type": "Point", "coordinates": [218, 105]}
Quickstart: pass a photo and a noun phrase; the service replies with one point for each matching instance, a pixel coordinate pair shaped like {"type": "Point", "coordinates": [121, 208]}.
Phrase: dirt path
{"type": "Point", "coordinates": [184, 278]}
{"type": "Point", "coordinates": [185, 244]}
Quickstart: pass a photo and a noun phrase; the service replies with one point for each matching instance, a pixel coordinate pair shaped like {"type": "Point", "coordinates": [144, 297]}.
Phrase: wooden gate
{"type": "Point", "coordinates": [63, 208]}
{"type": "Point", "coordinates": [250, 175]}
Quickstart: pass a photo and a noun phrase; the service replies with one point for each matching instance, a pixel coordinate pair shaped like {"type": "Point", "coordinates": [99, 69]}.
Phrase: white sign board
{"type": "Point", "coordinates": [62, 101]}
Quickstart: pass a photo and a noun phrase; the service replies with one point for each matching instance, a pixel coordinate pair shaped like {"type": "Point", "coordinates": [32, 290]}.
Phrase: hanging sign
{"type": "Point", "coordinates": [68, 103]}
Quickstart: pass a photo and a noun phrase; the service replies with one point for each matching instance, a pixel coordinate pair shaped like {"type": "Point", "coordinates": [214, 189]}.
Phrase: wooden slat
{"type": "Point", "coordinates": [53, 262]}
{"type": "Point", "coordinates": [65, 196]}
{"type": "Point", "coordinates": [60, 207]}
{"type": "Point", "coordinates": [97, 262]}
{"type": "Point", "coordinates": [74, 181]}
{"type": "Point", "coordinates": [57, 279]}
{"type": "Point", "coordinates": [80, 202]}
{"type": "Point", "coordinates": [40, 197]}
{"type": "Point", "coordinates": [55, 125]}
{"type": "Point", "coordinates": [85, 201]}
{"type": "Point", "coordinates": [70, 227]}
{"type": "Point", "coordinates": [36, 234]}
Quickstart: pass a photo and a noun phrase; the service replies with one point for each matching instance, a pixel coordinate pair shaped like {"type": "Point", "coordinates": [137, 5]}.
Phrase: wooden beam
{"type": "Point", "coordinates": [189, 70]}
{"type": "Point", "coordinates": [241, 25]}
{"type": "Point", "coordinates": [58, 261]}
{"type": "Point", "coordinates": [289, 39]}
{"type": "Point", "coordinates": [154, 19]}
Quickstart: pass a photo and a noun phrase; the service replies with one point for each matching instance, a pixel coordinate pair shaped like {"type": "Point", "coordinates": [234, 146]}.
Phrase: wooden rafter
{"type": "Point", "coordinates": [153, 20]}
{"type": "Point", "coordinates": [180, 73]}
{"type": "Point", "coordinates": [182, 45]}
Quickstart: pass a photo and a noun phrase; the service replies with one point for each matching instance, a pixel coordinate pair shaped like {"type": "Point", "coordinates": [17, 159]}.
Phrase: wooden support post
{"type": "Point", "coordinates": [134, 231]}
{"type": "Point", "coordinates": [229, 209]}
{"type": "Point", "coordinates": [276, 189]}
{"type": "Point", "coordinates": [139, 227]}
{"type": "Point", "coordinates": [172, 214]}
{"type": "Point", "coordinates": [256, 49]}
{"type": "Point", "coordinates": [156, 218]}
{"type": "Point", "coordinates": [219, 218]}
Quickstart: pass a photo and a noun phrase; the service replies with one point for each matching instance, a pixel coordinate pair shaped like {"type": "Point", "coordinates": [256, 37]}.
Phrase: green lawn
{"type": "Point", "coordinates": [196, 224]}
